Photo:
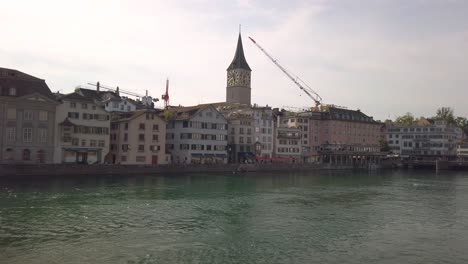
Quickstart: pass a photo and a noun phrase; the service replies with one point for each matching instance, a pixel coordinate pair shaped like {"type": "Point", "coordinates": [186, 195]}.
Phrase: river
{"type": "Point", "coordinates": [316, 217]}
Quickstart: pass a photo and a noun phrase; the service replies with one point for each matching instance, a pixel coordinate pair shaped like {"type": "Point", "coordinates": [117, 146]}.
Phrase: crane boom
{"type": "Point", "coordinates": [305, 88]}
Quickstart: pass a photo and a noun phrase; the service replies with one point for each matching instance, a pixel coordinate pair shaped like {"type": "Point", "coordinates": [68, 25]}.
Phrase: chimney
{"type": "Point", "coordinates": [117, 91]}
{"type": "Point", "coordinates": [97, 87]}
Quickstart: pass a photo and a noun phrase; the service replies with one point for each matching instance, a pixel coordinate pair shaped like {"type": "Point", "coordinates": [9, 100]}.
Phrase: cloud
{"type": "Point", "coordinates": [359, 55]}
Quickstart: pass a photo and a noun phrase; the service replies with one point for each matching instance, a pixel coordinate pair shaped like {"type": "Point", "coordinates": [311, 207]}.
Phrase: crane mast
{"type": "Point", "coordinates": [307, 90]}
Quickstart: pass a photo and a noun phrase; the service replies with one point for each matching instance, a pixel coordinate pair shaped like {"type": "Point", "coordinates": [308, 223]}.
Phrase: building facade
{"type": "Point", "coordinates": [139, 138]}
{"type": "Point", "coordinates": [424, 138]}
{"type": "Point", "coordinates": [82, 130]}
{"type": "Point", "coordinates": [250, 131]}
{"type": "Point", "coordinates": [197, 135]}
{"type": "Point", "coordinates": [238, 88]}
{"type": "Point", "coordinates": [27, 118]}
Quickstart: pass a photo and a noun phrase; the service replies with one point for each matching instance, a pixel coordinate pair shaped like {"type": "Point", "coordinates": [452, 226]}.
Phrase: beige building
{"type": "Point", "coordinates": [27, 118]}
{"type": "Point", "coordinates": [82, 130]}
{"type": "Point", "coordinates": [138, 137]}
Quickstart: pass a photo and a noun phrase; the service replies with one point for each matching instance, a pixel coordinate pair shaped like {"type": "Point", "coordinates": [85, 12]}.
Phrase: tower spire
{"type": "Point", "coordinates": [239, 61]}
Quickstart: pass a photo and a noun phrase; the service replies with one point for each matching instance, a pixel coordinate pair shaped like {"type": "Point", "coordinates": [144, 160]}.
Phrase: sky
{"type": "Point", "coordinates": [384, 57]}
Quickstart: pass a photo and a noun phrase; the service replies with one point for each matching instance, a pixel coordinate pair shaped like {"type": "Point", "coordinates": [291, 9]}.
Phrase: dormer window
{"type": "Point", "coordinates": [12, 91]}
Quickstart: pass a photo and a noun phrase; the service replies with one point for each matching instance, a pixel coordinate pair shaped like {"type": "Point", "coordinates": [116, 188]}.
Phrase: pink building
{"type": "Point", "coordinates": [332, 131]}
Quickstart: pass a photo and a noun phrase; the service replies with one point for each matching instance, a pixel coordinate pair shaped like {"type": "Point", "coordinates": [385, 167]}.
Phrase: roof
{"type": "Point", "coordinates": [93, 94]}
{"type": "Point", "coordinates": [239, 61]}
{"type": "Point", "coordinates": [132, 115]}
{"type": "Point", "coordinates": [75, 97]}
{"type": "Point", "coordinates": [335, 113]}
{"type": "Point", "coordinates": [25, 84]}
{"type": "Point", "coordinates": [182, 113]}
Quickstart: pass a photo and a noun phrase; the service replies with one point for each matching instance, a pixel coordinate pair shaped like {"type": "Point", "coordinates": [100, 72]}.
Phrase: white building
{"type": "Point", "coordinates": [426, 138]}
{"type": "Point", "coordinates": [82, 130]}
{"type": "Point", "coordinates": [196, 134]}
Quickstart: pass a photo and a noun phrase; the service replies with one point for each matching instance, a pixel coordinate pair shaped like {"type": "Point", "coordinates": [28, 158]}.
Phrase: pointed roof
{"type": "Point", "coordinates": [239, 61]}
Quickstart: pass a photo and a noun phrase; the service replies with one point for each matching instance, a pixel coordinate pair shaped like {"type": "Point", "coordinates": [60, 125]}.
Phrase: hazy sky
{"type": "Point", "coordinates": [385, 57]}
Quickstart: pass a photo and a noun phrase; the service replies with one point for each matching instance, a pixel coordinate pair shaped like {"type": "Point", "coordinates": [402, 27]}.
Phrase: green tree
{"type": "Point", "coordinates": [167, 114]}
{"type": "Point", "coordinates": [384, 147]}
{"type": "Point", "coordinates": [406, 119]}
{"type": "Point", "coordinates": [462, 123]}
{"type": "Point", "coordinates": [445, 113]}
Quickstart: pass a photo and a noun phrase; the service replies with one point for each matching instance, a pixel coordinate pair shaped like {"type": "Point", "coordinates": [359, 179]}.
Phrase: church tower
{"type": "Point", "coordinates": [238, 78]}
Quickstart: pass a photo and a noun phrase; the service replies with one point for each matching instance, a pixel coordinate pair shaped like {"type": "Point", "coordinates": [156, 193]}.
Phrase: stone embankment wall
{"type": "Point", "coordinates": [66, 170]}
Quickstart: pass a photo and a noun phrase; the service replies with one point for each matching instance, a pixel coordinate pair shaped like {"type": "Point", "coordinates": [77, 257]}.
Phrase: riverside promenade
{"type": "Point", "coordinates": [10, 170]}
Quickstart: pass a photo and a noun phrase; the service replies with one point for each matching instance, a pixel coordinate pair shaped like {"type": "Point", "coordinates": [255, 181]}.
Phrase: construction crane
{"type": "Point", "coordinates": [165, 96]}
{"type": "Point", "coordinates": [145, 98]}
{"type": "Point", "coordinates": [304, 87]}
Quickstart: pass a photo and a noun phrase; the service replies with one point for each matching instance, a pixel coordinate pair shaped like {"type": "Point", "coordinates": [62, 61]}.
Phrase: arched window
{"type": "Point", "coordinates": [26, 154]}
{"type": "Point", "coordinates": [41, 156]}
{"type": "Point", "coordinates": [9, 155]}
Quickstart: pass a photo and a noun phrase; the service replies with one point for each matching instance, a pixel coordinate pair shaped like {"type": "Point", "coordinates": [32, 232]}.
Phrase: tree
{"type": "Point", "coordinates": [462, 123]}
{"type": "Point", "coordinates": [445, 113]}
{"type": "Point", "coordinates": [167, 114]}
{"type": "Point", "coordinates": [384, 147]}
{"type": "Point", "coordinates": [406, 119]}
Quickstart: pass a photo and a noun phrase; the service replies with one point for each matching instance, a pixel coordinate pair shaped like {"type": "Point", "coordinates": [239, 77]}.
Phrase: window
{"type": "Point", "coordinates": [42, 135]}
{"type": "Point", "coordinates": [156, 127]}
{"type": "Point", "coordinates": [125, 137]}
{"type": "Point", "coordinates": [141, 137]}
{"type": "Point", "coordinates": [72, 105]}
{"type": "Point", "coordinates": [43, 115]}
{"type": "Point", "coordinates": [208, 147]}
{"type": "Point", "coordinates": [126, 126]}
{"type": "Point", "coordinates": [84, 106]}
{"type": "Point", "coordinates": [128, 108]}
{"type": "Point", "coordinates": [155, 138]}
{"type": "Point", "coordinates": [142, 126]}
{"type": "Point", "coordinates": [26, 154]}
{"type": "Point", "coordinates": [93, 143]}
{"type": "Point", "coordinates": [11, 113]}
{"type": "Point", "coordinates": [125, 147]}
{"type": "Point", "coordinates": [140, 159]}
{"type": "Point", "coordinates": [93, 107]}
{"type": "Point", "coordinates": [11, 134]}
{"type": "Point", "coordinates": [141, 148]}
{"type": "Point", "coordinates": [73, 115]}
{"type": "Point", "coordinates": [241, 140]}
{"type": "Point", "coordinates": [115, 104]}
{"type": "Point", "coordinates": [12, 91]}
{"type": "Point", "coordinates": [27, 134]}
{"type": "Point", "coordinates": [101, 143]}
{"type": "Point", "coordinates": [121, 107]}
{"type": "Point", "coordinates": [123, 158]}
{"type": "Point", "coordinates": [83, 142]}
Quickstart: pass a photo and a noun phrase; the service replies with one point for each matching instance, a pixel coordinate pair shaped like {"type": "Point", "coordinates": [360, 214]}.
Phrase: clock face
{"type": "Point", "coordinates": [238, 78]}
{"type": "Point", "coordinates": [231, 78]}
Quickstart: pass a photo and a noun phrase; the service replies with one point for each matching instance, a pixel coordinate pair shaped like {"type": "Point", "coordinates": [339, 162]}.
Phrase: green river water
{"type": "Point", "coordinates": [316, 217]}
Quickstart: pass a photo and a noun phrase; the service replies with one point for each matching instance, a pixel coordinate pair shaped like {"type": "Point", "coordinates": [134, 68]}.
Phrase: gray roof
{"type": "Point", "coordinates": [24, 83]}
